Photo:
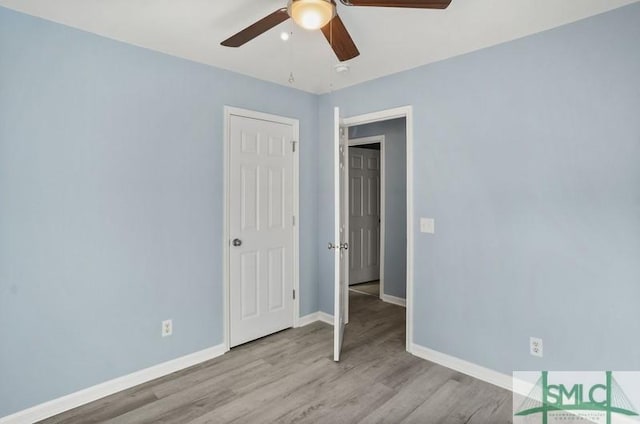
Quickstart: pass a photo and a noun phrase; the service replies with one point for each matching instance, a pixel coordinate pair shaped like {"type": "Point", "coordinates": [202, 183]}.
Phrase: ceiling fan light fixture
{"type": "Point", "coordinates": [311, 14]}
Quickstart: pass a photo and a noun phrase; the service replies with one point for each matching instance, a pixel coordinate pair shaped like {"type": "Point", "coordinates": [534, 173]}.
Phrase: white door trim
{"type": "Point", "coordinates": [233, 111]}
{"type": "Point", "coordinates": [407, 113]}
{"type": "Point", "coordinates": [377, 139]}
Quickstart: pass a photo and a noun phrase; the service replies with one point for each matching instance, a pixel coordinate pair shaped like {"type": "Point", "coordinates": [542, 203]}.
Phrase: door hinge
{"type": "Point", "coordinates": [293, 146]}
{"type": "Point", "coordinates": [294, 295]}
{"type": "Point", "coordinates": [293, 219]}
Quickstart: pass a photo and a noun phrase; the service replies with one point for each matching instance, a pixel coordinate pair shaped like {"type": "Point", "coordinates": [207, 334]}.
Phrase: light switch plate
{"type": "Point", "coordinates": [427, 225]}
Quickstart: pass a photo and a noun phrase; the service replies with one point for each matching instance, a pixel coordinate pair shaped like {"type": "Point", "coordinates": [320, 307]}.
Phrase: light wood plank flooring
{"type": "Point", "coordinates": [371, 288]}
{"type": "Point", "coordinates": [290, 377]}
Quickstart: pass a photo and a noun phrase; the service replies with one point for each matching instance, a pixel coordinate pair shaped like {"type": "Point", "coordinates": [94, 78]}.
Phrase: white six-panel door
{"type": "Point", "coordinates": [261, 224]}
{"type": "Point", "coordinates": [364, 215]}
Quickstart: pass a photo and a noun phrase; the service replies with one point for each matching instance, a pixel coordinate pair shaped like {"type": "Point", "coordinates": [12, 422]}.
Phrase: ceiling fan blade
{"type": "Point", "coordinates": [341, 42]}
{"type": "Point", "coordinates": [414, 4]}
{"type": "Point", "coordinates": [260, 27]}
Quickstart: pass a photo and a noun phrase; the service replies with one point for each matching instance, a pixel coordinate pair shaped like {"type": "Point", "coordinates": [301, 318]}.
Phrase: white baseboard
{"type": "Point", "coordinates": [395, 300]}
{"type": "Point", "coordinates": [73, 400]}
{"type": "Point", "coordinates": [308, 319]}
{"type": "Point", "coordinates": [314, 317]}
{"type": "Point", "coordinates": [481, 373]}
{"type": "Point", "coordinates": [326, 318]}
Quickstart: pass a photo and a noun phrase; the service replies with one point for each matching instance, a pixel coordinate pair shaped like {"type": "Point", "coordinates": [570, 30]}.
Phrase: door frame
{"type": "Point", "coordinates": [384, 115]}
{"type": "Point", "coordinates": [230, 111]}
{"type": "Point", "coordinates": [376, 139]}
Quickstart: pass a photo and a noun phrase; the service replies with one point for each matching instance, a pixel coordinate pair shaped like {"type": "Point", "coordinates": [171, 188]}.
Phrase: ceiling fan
{"type": "Point", "coordinates": [321, 14]}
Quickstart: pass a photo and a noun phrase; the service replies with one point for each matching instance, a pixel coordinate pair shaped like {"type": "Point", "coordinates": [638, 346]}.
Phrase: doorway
{"type": "Point", "coordinates": [366, 213]}
{"type": "Point", "coordinates": [343, 131]}
{"type": "Point", "coordinates": [378, 209]}
{"type": "Point", "coordinates": [261, 235]}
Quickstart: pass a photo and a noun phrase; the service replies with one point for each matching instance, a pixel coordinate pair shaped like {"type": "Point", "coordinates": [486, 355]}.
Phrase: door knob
{"type": "Point", "coordinates": [237, 242]}
{"type": "Point", "coordinates": [341, 246]}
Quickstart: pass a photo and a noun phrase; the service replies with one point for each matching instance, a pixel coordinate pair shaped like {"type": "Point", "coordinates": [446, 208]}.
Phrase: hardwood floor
{"type": "Point", "coordinates": [290, 377]}
{"type": "Point", "coordinates": [371, 288]}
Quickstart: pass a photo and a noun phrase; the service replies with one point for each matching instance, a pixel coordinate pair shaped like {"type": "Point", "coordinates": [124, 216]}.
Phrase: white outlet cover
{"type": "Point", "coordinates": [167, 328]}
{"type": "Point", "coordinates": [427, 225]}
{"type": "Point", "coordinates": [536, 347]}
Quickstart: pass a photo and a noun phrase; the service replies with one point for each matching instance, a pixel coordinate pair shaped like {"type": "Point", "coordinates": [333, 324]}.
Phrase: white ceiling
{"type": "Point", "coordinates": [390, 40]}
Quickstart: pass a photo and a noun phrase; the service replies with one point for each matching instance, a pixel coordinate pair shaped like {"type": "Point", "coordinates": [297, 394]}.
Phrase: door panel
{"type": "Point", "coordinates": [249, 199]}
{"type": "Point", "coordinates": [364, 218]}
{"type": "Point", "coordinates": [277, 198]}
{"type": "Point", "coordinates": [249, 284]}
{"type": "Point", "coordinates": [276, 276]}
{"type": "Point", "coordinates": [261, 220]}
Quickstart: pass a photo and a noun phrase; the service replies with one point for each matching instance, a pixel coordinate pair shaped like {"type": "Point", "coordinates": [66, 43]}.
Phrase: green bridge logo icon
{"type": "Point", "coordinates": [606, 397]}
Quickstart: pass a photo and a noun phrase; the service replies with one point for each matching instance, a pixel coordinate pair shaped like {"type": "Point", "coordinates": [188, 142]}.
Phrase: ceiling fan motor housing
{"type": "Point", "coordinates": [311, 14]}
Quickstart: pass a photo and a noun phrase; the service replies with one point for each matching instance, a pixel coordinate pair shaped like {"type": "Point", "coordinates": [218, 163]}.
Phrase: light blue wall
{"type": "Point", "coordinates": [527, 155]}
{"type": "Point", "coordinates": [111, 205]}
{"type": "Point", "coordinates": [395, 241]}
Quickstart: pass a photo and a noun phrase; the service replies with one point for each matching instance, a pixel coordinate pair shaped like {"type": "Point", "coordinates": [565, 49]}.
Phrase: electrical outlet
{"type": "Point", "coordinates": [167, 328]}
{"type": "Point", "coordinates": [535, 346]}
